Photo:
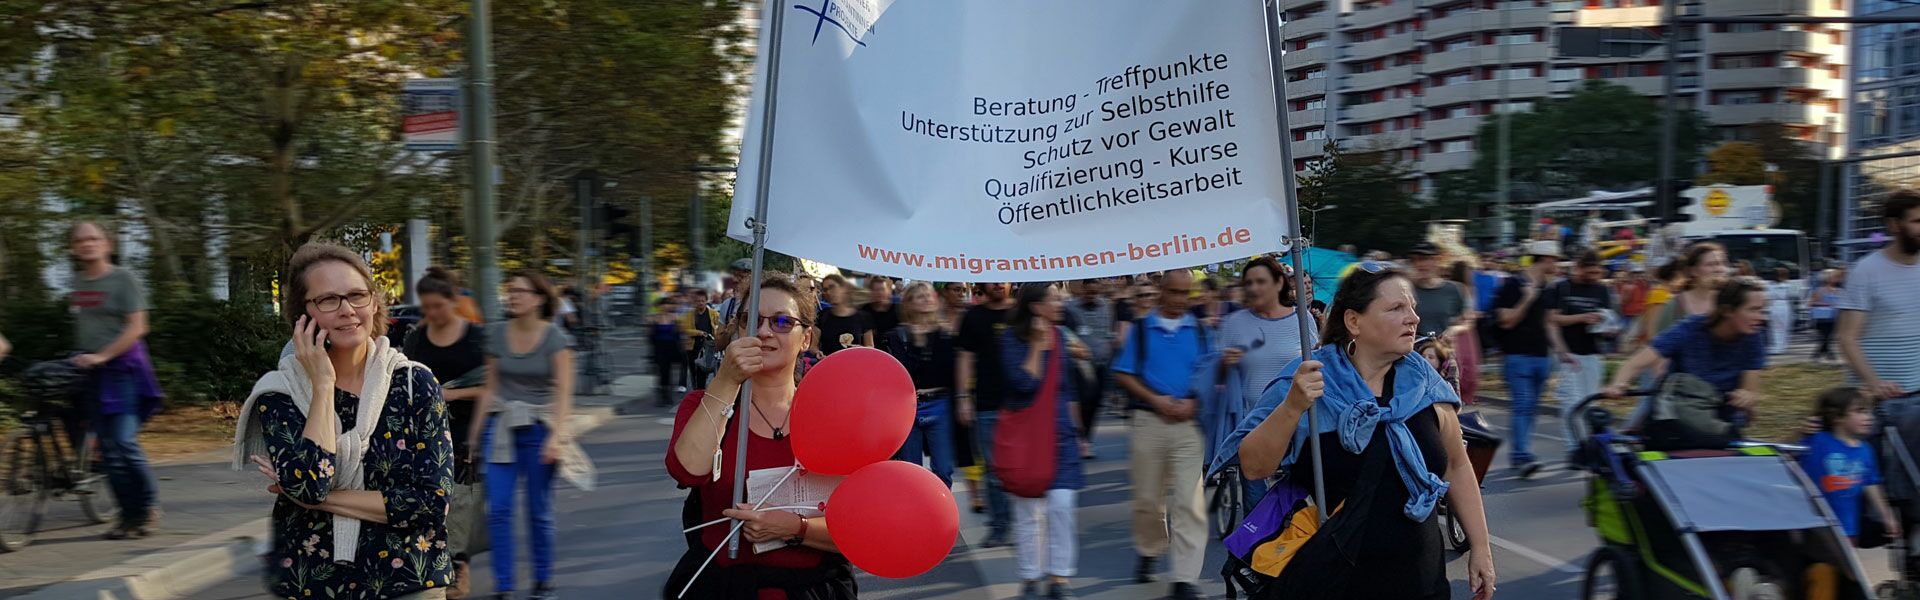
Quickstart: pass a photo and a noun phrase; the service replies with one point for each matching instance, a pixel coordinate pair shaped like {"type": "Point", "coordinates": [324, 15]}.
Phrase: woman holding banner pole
{"type": "Point", "coordinates": [700, 457]}
{"type": "Point", "coordinates": [1385, 475]}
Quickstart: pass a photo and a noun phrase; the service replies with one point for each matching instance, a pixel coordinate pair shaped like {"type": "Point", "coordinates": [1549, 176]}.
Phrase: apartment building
{"type": "Point", "coordinates": [1418, 77]}
{"type": "Point", "coordinates": [1886, 109]}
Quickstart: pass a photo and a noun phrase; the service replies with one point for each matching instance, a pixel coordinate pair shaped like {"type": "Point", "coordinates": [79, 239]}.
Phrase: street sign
{"type": "Point", "coordinates": [1718, 202]}
{"type": "Point", "coordinates": [431, 115]}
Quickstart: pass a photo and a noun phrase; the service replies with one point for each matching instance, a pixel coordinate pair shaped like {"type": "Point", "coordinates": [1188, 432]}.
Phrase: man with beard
{"type": "Point", "coordinates": [978, 366]}
{"type": "Point", "coordinates": [1880, 315]}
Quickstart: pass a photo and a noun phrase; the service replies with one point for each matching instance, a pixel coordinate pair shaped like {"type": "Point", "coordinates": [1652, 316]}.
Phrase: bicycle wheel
{"type": "Point", "coordinates": [23, 489]}
{"type": "Point", "coordinates": [89, 488]}
{"type": "Point", "coordinates": [1450, 525]}
{"type": "Point", "coordinates": [1226, 503]}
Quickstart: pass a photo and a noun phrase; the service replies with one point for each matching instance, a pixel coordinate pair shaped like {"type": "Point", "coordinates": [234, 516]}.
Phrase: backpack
{"type": "Point", "coordinates": [1687, 415]}
{"type": "Point", "coordinates": [1140, 341]}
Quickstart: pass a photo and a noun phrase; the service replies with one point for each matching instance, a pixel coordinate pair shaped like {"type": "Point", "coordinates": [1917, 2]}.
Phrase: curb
{"type": "Point", "coordinates": [208, 560]}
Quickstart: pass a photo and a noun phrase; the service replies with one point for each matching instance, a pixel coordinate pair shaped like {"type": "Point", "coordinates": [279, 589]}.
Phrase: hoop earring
{"type": "Point", "coordinates": [1350, 347]}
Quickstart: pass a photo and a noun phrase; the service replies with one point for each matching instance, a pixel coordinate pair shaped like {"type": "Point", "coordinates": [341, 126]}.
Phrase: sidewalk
{"type": "Point", "coordinates": [213, 518]}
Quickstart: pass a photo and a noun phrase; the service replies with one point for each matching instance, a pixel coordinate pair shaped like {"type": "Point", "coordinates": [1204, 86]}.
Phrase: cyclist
{"type": "Point", "coordinates": [109, 305]}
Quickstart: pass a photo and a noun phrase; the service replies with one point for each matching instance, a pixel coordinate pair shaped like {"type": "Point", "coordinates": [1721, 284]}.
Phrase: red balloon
{"type": "Point", "coordinates": [853, 409]}
{"type": "Point", "coordinates": [893, 519]}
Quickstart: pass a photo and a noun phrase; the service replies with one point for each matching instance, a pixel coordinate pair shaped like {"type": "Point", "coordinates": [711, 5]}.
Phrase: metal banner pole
{"type": "Point", "coordinates": [773, 15]}
{"type": "Point", "coordinates": [1292, 194]}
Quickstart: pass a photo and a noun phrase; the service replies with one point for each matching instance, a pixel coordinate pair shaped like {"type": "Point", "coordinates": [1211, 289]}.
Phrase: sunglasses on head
{"type": "Point", "coordinates": [1375, 267]}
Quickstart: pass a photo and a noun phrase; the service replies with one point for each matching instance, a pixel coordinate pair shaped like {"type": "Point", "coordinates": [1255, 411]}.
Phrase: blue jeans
{"type": "Point", "coordinates": [999, 508]}
{"type": "Point", "coordinates": [932, 435]}
{"type": "Point", "coordinates": [1526, 377]}
{"type": "Point", "coordinates": [125, 464]}
{"type": "Point", "coordinates": [501, 481]}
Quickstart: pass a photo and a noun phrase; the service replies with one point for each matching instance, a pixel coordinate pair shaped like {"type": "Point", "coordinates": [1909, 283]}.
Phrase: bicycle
{"type": "Point", "coordinates": [41, 461]}
{"type": "Point", "coordinates": [1229, 503]}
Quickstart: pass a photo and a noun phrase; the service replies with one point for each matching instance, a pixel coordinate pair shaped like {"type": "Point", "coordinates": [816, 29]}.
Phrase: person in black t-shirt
{"type": "Point", "coordinates": [979, 406]}
{"type": "Point", "coordinates": [882, 308]}
{"type": "Point", "coordinates": [843, 325]}
{"type": "Point", "coordinates": [1576, 309]}
{"type": "Point", "coordinates": [1522, 318]}
{"type": "Point", "coordinates": [455, 351]}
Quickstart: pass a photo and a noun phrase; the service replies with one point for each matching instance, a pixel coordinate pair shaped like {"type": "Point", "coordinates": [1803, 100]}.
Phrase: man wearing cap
{"type": "Point", "coordinates": [1441, 304]}
{"type": "Point", "coordinates": [1521, 317]}
{"type": "Point", "coordinates": [742, 274]}
{"type": "Point", "coordinates": [1578, 326]}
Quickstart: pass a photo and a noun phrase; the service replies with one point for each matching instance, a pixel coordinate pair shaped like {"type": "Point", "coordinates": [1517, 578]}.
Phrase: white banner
{"type": "Point", "coordinates": [1009, 140]}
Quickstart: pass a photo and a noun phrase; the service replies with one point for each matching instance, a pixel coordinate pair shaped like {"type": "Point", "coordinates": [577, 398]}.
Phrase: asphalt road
{"type": "Point", "coordinates": [620, 542]}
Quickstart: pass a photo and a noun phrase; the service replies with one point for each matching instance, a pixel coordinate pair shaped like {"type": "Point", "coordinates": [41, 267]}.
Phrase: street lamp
{"type": "Point", "coordinates": [1316, 217]}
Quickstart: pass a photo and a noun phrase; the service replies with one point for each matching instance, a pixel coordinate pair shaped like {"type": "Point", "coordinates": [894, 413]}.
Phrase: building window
{"type": "Point", "coordinates": [1457, 78]}
{"type": "Point", "coordinates": [1743, 97]}
{"type": "Point", "coordinates": [1454, 44]}
{"type": "Point", "coordinates": [1454, 112]}
{"type": "Point", "coordinates": [1314, 104]}
{"type": "Point", "coordinates": [1517, 38]}
{"type": "Point", "coordinates": [1515, 73]}
{"type": "Point", "coordinates": [1514, 107]}
{"type": "Point", "coordinates": [1463, 145]}
{"type": "Point", "coordinates": [1743, 61]}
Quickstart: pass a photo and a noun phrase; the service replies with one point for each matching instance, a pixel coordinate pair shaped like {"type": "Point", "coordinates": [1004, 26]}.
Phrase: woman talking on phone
{"type": "Point", "coordinates": [352, 438]}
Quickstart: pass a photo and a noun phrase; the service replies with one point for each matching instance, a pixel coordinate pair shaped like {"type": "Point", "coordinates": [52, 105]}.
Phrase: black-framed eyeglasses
{"type": "Point", "coordinates": [332, 303]}
{"type": "Point", "coordinates": [781, 323]}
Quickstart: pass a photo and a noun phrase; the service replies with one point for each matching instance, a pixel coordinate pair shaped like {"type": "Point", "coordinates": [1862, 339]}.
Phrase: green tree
{"type": "Point", "coordinates": [1735, 163]}
{"type": "Point", "coordinates": [1373, 207]}
{"type": "Point", "coordinates": [1796, 178]}
{"type": "Point", "coordinates": [1604, 136]}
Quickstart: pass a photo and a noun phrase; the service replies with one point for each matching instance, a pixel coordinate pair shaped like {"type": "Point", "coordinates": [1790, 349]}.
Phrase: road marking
{"type": "Point", "coordinates": [1536, 556]}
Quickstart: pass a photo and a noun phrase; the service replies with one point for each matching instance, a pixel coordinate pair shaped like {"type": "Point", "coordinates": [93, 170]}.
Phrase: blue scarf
{"type": "Point", "coordinates": [1350, 408]}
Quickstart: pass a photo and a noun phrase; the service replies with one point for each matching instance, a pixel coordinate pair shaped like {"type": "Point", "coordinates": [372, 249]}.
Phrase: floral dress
{"type": "Point", "coordinates": [409, 461]}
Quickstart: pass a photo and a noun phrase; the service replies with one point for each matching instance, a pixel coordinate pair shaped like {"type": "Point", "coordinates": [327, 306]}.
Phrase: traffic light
{"type": "Point", "coordinates": [1674, 209]}
{"type": "Point", "coordinates": [613, 220]}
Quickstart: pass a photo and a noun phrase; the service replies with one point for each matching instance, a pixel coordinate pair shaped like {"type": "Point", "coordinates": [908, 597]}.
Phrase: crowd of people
{"type": "Point", "coordinates": [414, 465]}
{"type": "Point", "coordinates": [1158, 352]}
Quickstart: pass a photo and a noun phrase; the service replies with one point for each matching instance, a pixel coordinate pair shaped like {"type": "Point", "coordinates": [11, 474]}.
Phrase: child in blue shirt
{"type": "Point", "coordinates": [1842, 465]}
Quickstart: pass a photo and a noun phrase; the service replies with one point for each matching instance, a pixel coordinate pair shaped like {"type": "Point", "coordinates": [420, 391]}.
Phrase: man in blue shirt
{"type": "Point", "coordinates": [1158, 358]}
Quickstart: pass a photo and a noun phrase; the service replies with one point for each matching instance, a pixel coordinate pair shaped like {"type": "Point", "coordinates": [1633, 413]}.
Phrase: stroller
{"type": "Point", "coordinates": [1896, 444]}
{"type": "Point", "coordinates": [1482, 444]}
{"type": "Point", "coordinates": [1704, 515]}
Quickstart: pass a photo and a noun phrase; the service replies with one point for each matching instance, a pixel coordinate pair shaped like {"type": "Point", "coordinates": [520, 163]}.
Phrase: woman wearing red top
{"type": "Point", "coordinates": [809, 567]}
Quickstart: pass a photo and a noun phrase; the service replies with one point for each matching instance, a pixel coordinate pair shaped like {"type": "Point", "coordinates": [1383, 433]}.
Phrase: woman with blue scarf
{"type": "Point", "coordinates": [1390, 433]}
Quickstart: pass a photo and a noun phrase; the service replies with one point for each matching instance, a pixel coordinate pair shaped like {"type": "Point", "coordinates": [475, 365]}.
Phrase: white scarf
{"type": "Point", "coordinates": [249, 439]}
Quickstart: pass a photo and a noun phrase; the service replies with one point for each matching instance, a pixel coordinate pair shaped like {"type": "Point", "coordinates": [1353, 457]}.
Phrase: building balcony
{"type": "Point", "coordinates": [1387, 46]}
{"type": "Point", "coordinates": [1446, 129]}
{"type": "Point", "coordinates": [1453, 60]}
{"type": "Point", "coordinates": [1437, 162]}
{"type": "Point", "coordinates": [1487, 90]}
{"type": "Point", "coordinates": [1392, 140]}
{"type": "Point", "coordinates": [1309, 148]}
{"type": "Point", "coordinates": [1761, 8]}
{"type": "Point", "coordinates": [1487, 20]}
{"type": "Point", "coordinates": [1638, 16]}
{"type": "Point", "coordinates": [1299, 4]}
{"type": "Point", "coordinates": [1748, 114]}
{"type": "Point", "coordinates": [1321, 23]}
{"type": "Point", "coordinates": [1378, 79]}
{"type": "Point", "coordinates": [1770, 41]}
{"type": "Point", "coordinates": [1374, 111]}
{"type": "Point", "coordinates": [1760, 78]}
{"type": "Point", "coordinates": [1312, 117]}
{"type": "Point", "coordinates": [1391, 13]}
{"type": "Point", "coordinates": [1294, 59]}
{"type": "Point", "coordinates": [1306, 88]}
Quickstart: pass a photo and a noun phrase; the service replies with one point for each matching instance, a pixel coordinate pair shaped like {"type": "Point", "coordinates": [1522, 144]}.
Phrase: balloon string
{"type": "Point", "coordinates": [735, 531]}
{"type": "Point", "coordinates": [725, 519]}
